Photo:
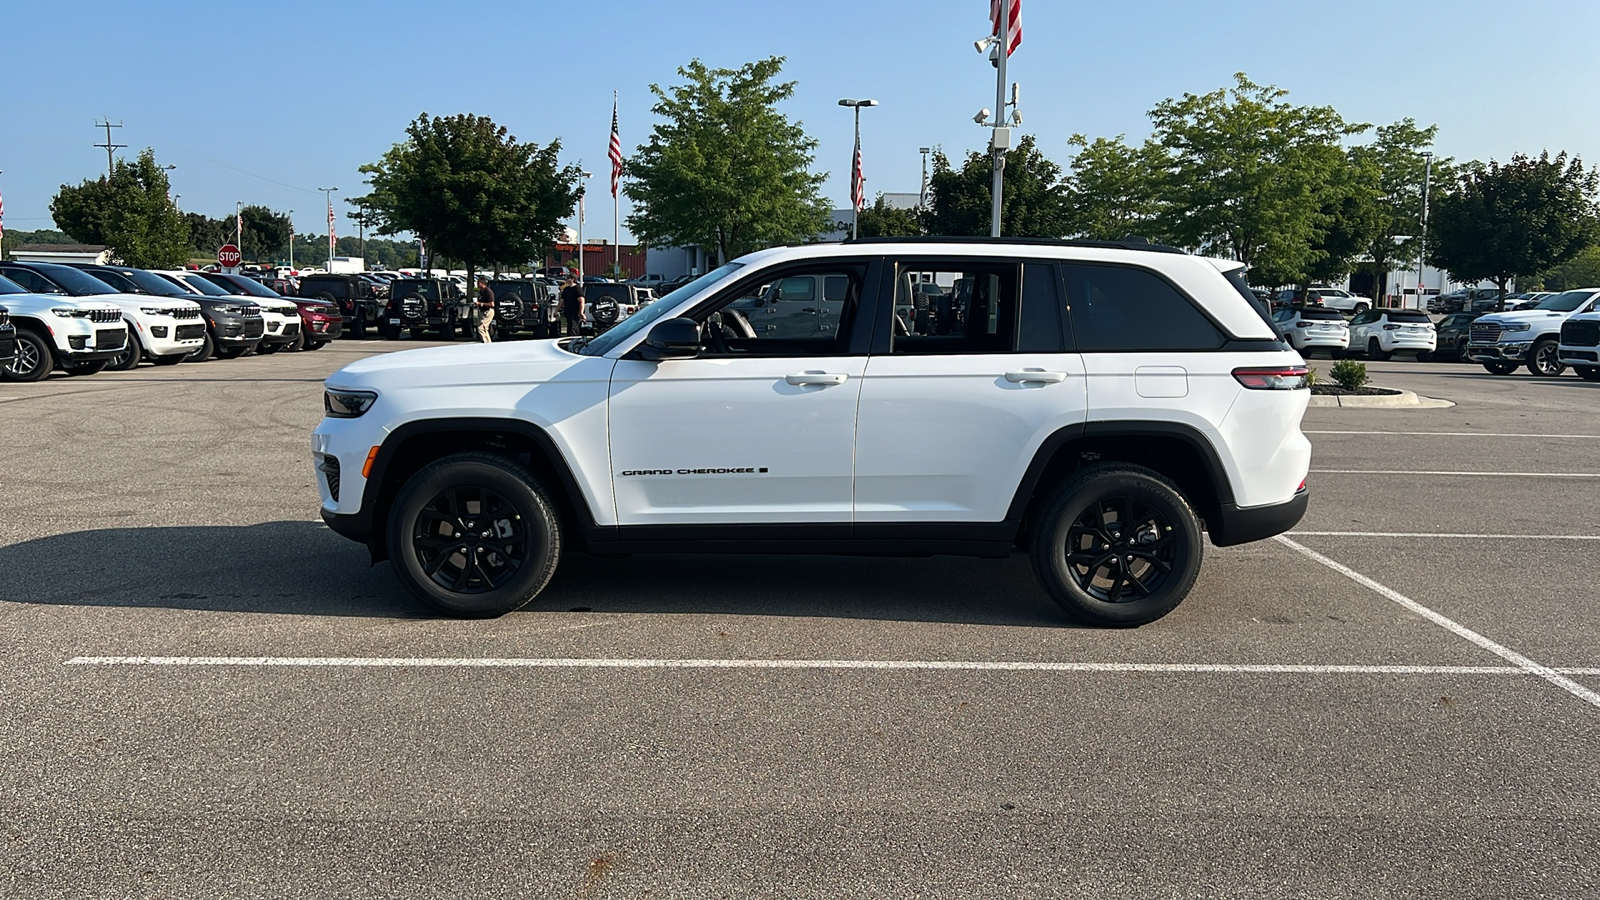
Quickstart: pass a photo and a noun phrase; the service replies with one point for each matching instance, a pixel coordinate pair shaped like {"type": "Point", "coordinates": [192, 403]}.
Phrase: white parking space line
{"type": "Point", "coordinates": [1472, 474]}
{"type": "Point", "coordinates": [1442, 534]}
{"type": "Point", "coordinates": [1476, 434]}
{"type": "Point", "coordinates": [1521, 662]}
{"type": "Point", "coordinates": [472, 662]}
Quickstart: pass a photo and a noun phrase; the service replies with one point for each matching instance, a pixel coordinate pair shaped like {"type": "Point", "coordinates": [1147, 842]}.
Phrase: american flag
{"type": "Point", "coordinates": [616, 150]}
{"type": "Point", "coordinates": [332, 241]}
{"type": "Point", "coordinates": [2, 217]}
{"type": "Point", "coordinates": [1013, 25]}
{"type": "Point", "coordinates": [858, 181]}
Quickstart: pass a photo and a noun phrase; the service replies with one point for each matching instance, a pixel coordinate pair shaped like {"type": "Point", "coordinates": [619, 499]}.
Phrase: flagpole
{"type": "Point", "coordinates": [996, 152]}
{"type": "Point", "coordinates": [616, 204]}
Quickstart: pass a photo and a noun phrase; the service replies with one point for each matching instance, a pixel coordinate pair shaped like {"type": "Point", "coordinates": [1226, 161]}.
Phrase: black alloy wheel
{"type": "Point", "coordinates": [1117, 545]}
{"type": "Point", "coordinates": [130, 356]}
{"type": "Point", "coordinates": [474, 535]}
{"type": "Point", "coordinates": [33, 361]}
{"type": "Point", "coordinates": [1545, 359]}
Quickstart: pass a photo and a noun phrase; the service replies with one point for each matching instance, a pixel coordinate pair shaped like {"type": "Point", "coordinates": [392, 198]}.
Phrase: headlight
{"type": "Point", "coordinates": [347, 404]}
{"type": "Point", "coordinates": [1515, 326]}
{"type": "Point", "coordinates": [67, 312]}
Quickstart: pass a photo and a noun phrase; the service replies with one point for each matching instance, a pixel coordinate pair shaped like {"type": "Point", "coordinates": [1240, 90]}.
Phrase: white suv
{"type": "Point", "coordinates": [1580, 345]}
{"type": "Point", "coordinates": [1381, 333]}
{"type": "Point", "coordinates": [280, 318]}
{"type": "Point", "coordinates": [1094, 404]}
{"type": "Point", "coordinates": [52, 330]}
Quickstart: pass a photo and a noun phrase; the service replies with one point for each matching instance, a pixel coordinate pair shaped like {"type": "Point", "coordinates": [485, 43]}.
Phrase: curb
{"type": "Point", "coordinates": [1402, 400]}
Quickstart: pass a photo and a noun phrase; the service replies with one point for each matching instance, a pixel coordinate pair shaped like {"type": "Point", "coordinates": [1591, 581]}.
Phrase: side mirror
{"type": "Point", "coordinates": [672, 339]}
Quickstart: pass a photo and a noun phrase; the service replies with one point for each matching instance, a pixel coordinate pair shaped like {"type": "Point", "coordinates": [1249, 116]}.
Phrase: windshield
{"type": "Point", "coordinates": [1566, 302]}
{"type": "Point", "coordinates": [200, 285]}
{"type": "Point", "coordinates": [151, 283]}
{"type": "Point", "coordinates": [241, 285]}
{"type": "Point", "coordinates": [633, 324]}
{"type": "Point", "coordinates": [76, 282]}
{"type": "Point", "coordinates": [7, 286]}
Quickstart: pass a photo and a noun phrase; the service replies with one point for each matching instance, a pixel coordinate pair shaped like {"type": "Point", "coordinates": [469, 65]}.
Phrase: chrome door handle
{"type": "Point", "coordinates": [805, 378]}
{"type": "Point", "coordinates": [1036, 376]}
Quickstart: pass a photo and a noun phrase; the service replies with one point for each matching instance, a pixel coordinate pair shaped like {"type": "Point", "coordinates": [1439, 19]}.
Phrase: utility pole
{"type": "Point", "coordinates": [582, 177]}
{"type": "Point", "coordinates": [108, 146]}
{"type": "Point", "coordinates": [291, 239]}
{"type": "Point", "coordinates": [922, 192]}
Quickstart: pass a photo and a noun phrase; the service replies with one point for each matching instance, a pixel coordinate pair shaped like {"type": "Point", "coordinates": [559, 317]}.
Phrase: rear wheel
{"type": "Point", "coordinates": [1500, 367]}
{"type": "Point", "coordinates": [1543, 359]}
{"type": "Point", "coordinates": [474, 535]}
{"type": "Point", "coordinates": [1361, 308]}
{"type": "Point", "coordinates": [129, 357]}
{"type": "Point", "coordinates": [1375, 351]}
{"type": "Point", "coordinates": [33, 360]}
{"type": "Point", "coordinates": [1117, 545]}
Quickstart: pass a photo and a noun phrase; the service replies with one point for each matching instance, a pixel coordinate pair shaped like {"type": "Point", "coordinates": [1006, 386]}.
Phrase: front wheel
{"type": "Point", "coordinates": [267, 349]}
{"type": "Point", "coordinates": [92, 367]}
{"type": "Point", "coordinates": [474, 535]}
{"type": "Point", "coordinates": [1500, 367]}
{"type": "Point", "coordinates": [129, 357]}
{"type": "Point", "coordinates": [1588, 373]}
{"type": "Point", "coordinates": [1544, 359]}
{"type": "Point", "coordinates": [1375, 351]}
{"type": "Point", "coordinates": [202, 352]}
{"type": "Point", "coordinates": [1117, 545]}
{"type": "Point", "coordinates": [33, 361]}
{"type": "Point", "coordinates": [170, 359]}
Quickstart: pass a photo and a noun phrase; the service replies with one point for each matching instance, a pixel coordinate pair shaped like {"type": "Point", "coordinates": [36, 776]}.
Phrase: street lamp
{"type": "Point", "coordinates": [582, 177]}
{"type": "Point", "coordinates": [922, 192]}
{"type": "Point", "coordinates": [328, 193]}
{"type": "Point", "coordinates": [1422, 246]}
{"type": "Point", "coordinates": [856, 194]}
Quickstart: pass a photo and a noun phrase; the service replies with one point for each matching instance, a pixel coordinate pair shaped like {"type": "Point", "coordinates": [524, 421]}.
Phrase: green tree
{"type": "Point", "coordinates": [1032, 201]}
{"type": "Point", "coordinates": [1398, 154]}
{"type": "Point", "coordinates": [14, 239]}
{"type": "Point", "coordinates": [1581, 271]}
{"type": "Point", "coordinates": [473, 190]}
{"type": "Point", "coordinates": [1521, 218]}
{"type": "Point", "coordinates": [882, 220]}
{"type": "Point", "coordinates": [725, 169]}
{"type": "Point", "coordinates": [265, 233]}
{"type": "Point", "coordinates": [1112, 191]}
{"type": "Point", "coordinates": [1352, 214]}
{"type": "Point", "coordinates": [1247, 174]}
{"type": "Point", "coordinates": [207, 235]}
{"type": "Point", "coordinates": [131, 212]}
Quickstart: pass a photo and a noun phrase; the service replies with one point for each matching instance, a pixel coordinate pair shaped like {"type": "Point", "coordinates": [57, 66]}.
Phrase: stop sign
{"type": "Point", "coordinates": [229, 256]}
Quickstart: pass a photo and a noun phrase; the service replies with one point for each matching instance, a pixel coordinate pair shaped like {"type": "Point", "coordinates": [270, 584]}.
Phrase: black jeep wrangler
{"type": "Point", "coordinates": [425, 304]}
{"type": "Point", "coordinates": [357, 301]}
{"type": "Point", "coordinates": [531, 306]}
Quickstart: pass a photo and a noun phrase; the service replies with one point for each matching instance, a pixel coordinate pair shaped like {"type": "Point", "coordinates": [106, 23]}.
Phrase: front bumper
{"type": "Point", "coordinates": [282, 332]}
{"type": "Point", "coordinates": [1236, 525]}
{"type": "Point", "coordinates": [1578, 356]}
{"type": "Point", "coordinates": [322, 329]}
{"type": "Point", "coordinates": [166, 336]}
{"type": "Point", "coordinates": [1504, 352]}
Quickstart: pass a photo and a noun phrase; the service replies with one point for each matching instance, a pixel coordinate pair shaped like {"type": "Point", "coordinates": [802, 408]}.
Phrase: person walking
{"type": "Point", "coordinates": [485, 306]}
{"type": "Point", "coordinates": [572, 303]}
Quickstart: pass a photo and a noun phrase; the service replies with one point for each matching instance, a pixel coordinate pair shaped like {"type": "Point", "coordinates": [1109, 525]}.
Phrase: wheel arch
{"type": "Point", "coordinates": [415, 444]}
{"type": "Point", "coordinates": [1176, 450]}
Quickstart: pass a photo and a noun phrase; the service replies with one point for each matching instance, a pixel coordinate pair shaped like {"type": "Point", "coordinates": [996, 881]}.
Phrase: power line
{"type": "Point", "coordinates": [109, 147]}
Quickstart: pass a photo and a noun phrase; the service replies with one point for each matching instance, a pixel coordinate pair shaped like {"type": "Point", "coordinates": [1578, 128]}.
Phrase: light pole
{"type": "Point", "coordinates": [1000, 139]}
{"type": "Point", "coordinates": [922, 191]}
{"type": "Point", "coordinates": [1422, 245]}
{"type": "Point", "coordinates": [291, 240]}
{"type": "Point", "coordinates": [328, 193]}
{"type": "Point", "coordinates": [238, 226]}
{"type": "Point", "coordinates": [582, 177]}
{"type": "Point", "coordinates": [857, 183]}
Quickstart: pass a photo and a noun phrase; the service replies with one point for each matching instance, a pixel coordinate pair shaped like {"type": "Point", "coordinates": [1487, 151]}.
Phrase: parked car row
{"type": "Point", "coordinates": [1377, 333]}
{"type": "Point", "coordinates": [83, 318]}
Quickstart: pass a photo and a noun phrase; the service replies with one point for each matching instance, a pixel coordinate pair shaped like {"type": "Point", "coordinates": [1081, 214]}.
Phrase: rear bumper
{"type": "Point", "coordinates": [1235, 525]}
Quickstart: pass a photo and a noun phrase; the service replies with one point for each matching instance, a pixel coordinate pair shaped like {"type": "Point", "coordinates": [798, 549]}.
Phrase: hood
{"type": "Point", "coordinates": [463, 364]}
{"type": "Point", "coordinates": [268, 303]}
{"type": "Point", "coordinates": [136, 301]}
{"type": "Point", "coordinates": [1521, 315]}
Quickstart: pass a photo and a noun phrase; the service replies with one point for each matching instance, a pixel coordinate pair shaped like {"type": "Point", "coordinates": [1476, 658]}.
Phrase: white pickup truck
{"type": "Point", "coordinates": [1503, 342]}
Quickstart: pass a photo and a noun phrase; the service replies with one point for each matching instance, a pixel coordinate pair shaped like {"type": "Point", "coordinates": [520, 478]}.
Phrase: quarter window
{"type": "Point", "coordinates": [1119, 308]}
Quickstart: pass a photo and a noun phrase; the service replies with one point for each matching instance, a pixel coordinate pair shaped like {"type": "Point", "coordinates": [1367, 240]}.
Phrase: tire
{"type": "Point", "coordinates": [170, 359]}
{"type": "Point", "coordinates": [299, 340]}
{"type": "Point", "coordinates": [1587, 373]}
{"type": "Point", "coordinates": [316, 345]}
{"type": "Point", "coordinates": [1077, 512]}
{"type": "Point", "coordinates": [92, 367]}
{"type": "Point", "coordinates": [203, 352]}
{"type": "Point", "coordinates": [1360, 308]}
{"type": "Point", "coordinates": [1375, 351]}
{"type": "Point", "coordinates": [438, 498]}
{"type": "Point", "coordinates": [1424, 357]}
{"type": "Point", "coordinates": [1500, 368]}
{"type": "Point", "coordinates": [267, 349]}
{"type": "Point", "coordinates": [389, 332]}
{"type": "Point", "coordinates": [130, 356]}
{"type": "Point", "coordinates": [33, 361]}
{"type": "Point", "coordinates": [230, 352]}
{"type": "Point", "coordinates": [358, 329]}
{"type": "Point", "coordinates": [1543, 359]}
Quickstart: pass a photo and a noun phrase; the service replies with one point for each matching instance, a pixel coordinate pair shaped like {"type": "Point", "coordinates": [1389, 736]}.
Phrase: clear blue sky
{"type": "Point", "coordinates": [263, 103]}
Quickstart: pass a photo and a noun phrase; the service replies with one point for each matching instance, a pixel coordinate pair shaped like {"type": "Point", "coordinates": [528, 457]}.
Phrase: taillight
{"type": "Point", "coordinates": [1390, 326]}
{"type": "Point", "coordinates": [1273, 378]}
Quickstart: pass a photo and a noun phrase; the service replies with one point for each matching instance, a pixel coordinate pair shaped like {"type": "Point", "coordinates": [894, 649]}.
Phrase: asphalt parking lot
{"type": "Point", "coordinates": [1397, 700]}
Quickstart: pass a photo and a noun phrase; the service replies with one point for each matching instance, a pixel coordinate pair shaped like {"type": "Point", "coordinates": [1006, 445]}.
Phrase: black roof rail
{"type": "Point", "coordinates": [1131, 242]}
